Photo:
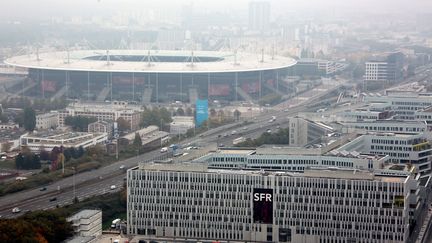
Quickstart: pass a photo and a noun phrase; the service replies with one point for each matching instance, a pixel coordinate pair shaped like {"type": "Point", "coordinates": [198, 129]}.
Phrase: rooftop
{"type": "Point", "coordinates": [161, 61]}
{"type": "Point", "coordinates": [331, 172]}
{"type": "Point", "coordinates": [86, 213]}
{"type": "Point", "coordinates": [235, 151]}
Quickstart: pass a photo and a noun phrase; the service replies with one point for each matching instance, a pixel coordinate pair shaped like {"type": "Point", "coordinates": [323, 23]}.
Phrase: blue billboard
{"type": "Point", "coordinates": [201, 112]}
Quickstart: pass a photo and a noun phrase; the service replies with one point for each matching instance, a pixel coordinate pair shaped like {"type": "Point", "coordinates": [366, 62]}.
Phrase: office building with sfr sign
{"type": "Point", "coordinates": [190, 201]}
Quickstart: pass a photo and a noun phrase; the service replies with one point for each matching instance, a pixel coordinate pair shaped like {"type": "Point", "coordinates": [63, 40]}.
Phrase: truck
{"type": "Point", "coordinates": [114, 223]}
{"type": "Point", "coordinates": [239, 140]}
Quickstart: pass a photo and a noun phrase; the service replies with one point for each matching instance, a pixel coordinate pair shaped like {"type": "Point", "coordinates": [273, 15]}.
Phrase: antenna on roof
{"type": "Point", "coordinates": [262, 54]}
{"type": "Point", "coordinates": [235, 58]}
{"type": "Point", "coordinates": [37, 54]}
{"type": "Point", "coordinates": [68, 55]}
{"type": "Point", "coordinates": [273, 52]}
{"type": "Point", "coordinates": [108, 58]}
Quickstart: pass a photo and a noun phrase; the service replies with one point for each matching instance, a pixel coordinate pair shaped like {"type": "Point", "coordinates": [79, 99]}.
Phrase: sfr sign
{"type": "Point", "coordinates": [258, 197]}
{"type": "Point", "coordinates": [262, 205]}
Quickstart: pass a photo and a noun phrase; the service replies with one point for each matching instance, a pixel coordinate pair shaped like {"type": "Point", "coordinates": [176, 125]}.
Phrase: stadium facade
{"type": "Point", "coordinates": [154, 76]}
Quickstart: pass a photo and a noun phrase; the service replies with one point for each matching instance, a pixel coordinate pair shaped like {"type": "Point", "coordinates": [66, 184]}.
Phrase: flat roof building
{"type": "Point", "coordinates": [87, 223]}
{"type": "Point", "coordinates": [48, 140]}
{"type": "Point", "coordinates": [191, 201]}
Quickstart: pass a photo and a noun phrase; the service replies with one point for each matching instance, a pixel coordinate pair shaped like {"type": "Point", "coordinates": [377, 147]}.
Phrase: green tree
{"type": "Point", "coordinates": [79, 123]}
{"type": "Point", "coordinates": [52, 226]}
{"type": "Point", "coordinates": [213, 112]}
{"type": "Point", "coordinates": [237, 114]}
{"type": "Point", "coordinates": [180, 112]}
{"type": "Point", "coordinates": [19, 161]}
{"type": "Point", "coordinates": [156, 117]}
{"type": "Point", "coordinates": [137, 142]}
{"type": "Point", "coordinates": [29, 119]}
{"type": "Point", "coordinates": [189, 111]}
{"type": "Point", "coordinates": [80, 151]}
{"type": "Point", "coordinates": [123, 125]}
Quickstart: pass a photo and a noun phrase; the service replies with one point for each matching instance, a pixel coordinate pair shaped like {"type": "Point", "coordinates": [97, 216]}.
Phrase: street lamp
{"type": "Point", "coordinates": [74, 183]}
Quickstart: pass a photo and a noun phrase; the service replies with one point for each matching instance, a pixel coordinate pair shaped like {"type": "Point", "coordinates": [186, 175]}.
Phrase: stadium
{"type": "Point", "coordinates": [154, 76]}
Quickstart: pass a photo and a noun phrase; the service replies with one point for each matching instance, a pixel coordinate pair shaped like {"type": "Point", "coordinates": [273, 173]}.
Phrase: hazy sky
{"type": "Point", "coordinates": [18, 9]}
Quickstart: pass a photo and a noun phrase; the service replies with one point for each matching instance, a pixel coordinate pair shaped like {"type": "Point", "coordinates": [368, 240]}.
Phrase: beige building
{"type": "Point", "coordinates": [47, 120]}
{"type": "Point", "coordinates": [102, 112]}
{"type": "Point", "coordinates": [87, 223]}
{"type": "Point", "coordinates": [181, 124]}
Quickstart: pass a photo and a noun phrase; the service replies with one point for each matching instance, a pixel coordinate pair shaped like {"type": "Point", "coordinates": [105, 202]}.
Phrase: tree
{"type": "Point", "coordinates": [213, 112]}
{"type": "Point", "coordinates": [44, 155]}
{"type": "Point", "coordinates": [79, 123]}
{"type": "Point", "coordinates": [51, 225]}
{"type": "Point", "coordinates": [5, 147]}
{"type": "Point", "coordinates": [27, 161]}
{"type": "Point", "coordinates": [137, 143]}
{"type": "Point", "coordinates": [80, 151]}
{"type": "Point", "coordinates": [123, 125]}
{"type": "Point", "coordinates": [29, 119]}
{"type": "Point", "coordinates": [180, 112]}
{"type": "Point", "coordinates": [189, 111]}
{"type": "Point", "coordinates": [237, 114]}
{"type": "Point", "coordinates": [156, 117]}
{"type": "Point", "coordinates": [19, 161]}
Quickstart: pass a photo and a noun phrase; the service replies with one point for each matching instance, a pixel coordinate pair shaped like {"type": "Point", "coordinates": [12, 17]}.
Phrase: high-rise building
{"type": "Point", "coordinates": [259, 15]}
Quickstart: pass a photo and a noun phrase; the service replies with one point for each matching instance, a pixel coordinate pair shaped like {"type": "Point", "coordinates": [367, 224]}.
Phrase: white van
{"type": "Point", "coordinates": [164, 150]}
{"type": "Point", "coordinates": [113, 187]}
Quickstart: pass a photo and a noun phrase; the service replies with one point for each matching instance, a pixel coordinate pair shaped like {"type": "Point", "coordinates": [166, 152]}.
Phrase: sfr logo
{"type": "Point", "coordinates": [259, 197]}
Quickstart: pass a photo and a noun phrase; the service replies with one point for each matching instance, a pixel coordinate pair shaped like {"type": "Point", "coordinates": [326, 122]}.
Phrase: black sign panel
{"type": "Point", "coordinates": [262, 205]}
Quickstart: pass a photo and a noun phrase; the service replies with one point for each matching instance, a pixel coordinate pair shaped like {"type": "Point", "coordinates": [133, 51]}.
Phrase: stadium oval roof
{"type": "Point", "coordinates": [155, 61]}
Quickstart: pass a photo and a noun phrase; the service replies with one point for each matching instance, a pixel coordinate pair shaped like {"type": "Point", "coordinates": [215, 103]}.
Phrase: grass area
{"type": "Point", "coordinates": [7, 164]}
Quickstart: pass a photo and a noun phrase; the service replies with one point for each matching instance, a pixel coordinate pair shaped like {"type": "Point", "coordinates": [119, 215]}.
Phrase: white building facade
{"type": "Point", "coordinates": [36, 142]}
{"type": "Point", "coordinates": [87, 222]}
{"type": "Point", "coordinates": [191, 201]}
{"type": "Point", "coordinates": [405, 148]}
{"type": "Point", "coordinates": [47, 121]}
{"type": "Point", "coordinates": [102, 113]}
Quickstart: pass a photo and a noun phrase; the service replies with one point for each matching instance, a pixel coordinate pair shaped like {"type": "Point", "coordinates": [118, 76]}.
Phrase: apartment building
{"type": "Point", "coordinates": [404, 148]}
{"type": "Point", "coordinates": [47, 120]}
{"type": "Point", "coordinates": [190, 201]}
{"type": "Point", "coordinates": [103, 113]}
{"type": "Point", "coordinates": [403, 104]}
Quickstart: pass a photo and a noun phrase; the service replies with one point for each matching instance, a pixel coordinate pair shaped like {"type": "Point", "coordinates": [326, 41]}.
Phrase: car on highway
{"type": "Point", "coordinates": [122, 167]}
{"type": "Point", "coordinates": [269, 130]}
{"type": "Point", "coordinates": [164, 150]}
{"type": "Point", "coordinates": [43, 189]}
{"type": "Point", "coordinates": [53, 199]}
{"type": "Point", "coordinates": [113, 187]}
{"type": "Point", "coordinates": [16, 210]}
